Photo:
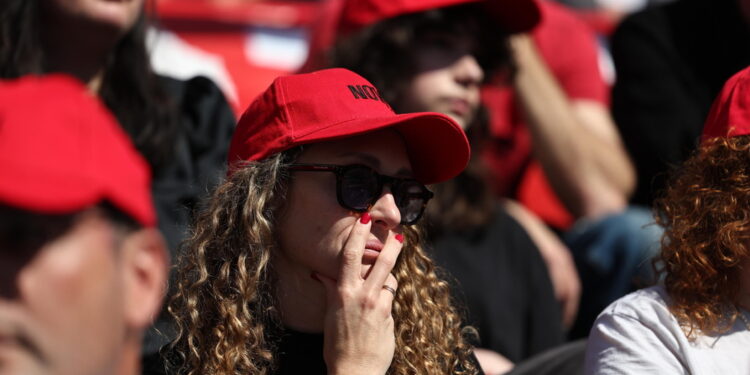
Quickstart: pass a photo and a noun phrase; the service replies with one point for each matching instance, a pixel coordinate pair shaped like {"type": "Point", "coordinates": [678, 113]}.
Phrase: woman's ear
{"type": "Point", "coordinates": [145, 262]}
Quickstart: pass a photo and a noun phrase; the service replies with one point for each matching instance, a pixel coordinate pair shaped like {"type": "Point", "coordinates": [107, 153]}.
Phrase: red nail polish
{"type": "Point", "coordinates": [365, 218]}
{"type": "Point", "coordinates": [400, 238]}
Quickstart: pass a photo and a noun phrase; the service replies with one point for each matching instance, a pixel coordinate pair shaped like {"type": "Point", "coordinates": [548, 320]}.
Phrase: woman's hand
{"type": "Point", "coordinates": [359, 329]}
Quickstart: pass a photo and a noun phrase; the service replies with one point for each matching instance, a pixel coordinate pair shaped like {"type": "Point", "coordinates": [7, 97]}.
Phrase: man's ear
{"type": "Point", "coordinates": [145, 268]}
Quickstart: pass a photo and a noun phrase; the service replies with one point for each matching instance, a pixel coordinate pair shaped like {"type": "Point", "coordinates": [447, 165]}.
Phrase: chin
{"type": "Point", "coordinates": [121, 16]}
{"type": "Point", "coordinates": [461, 121]}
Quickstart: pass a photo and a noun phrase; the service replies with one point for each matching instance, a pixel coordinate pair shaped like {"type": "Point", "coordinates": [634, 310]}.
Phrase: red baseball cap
{"type": "Point", "coordinates": [512, 15]}
{"type": "Point", "coordinates": [730, 112]}
{"type": "Point", "coordinates": [338, 103]}
{"type": "Point", "coordinates": [61, 151]}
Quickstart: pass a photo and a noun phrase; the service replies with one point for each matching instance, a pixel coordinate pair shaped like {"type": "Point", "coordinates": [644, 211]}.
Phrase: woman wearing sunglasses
{"type": "Point", "coordinates": [308, 259]}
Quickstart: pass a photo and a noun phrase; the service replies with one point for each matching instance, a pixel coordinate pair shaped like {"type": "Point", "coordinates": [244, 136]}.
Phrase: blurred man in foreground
{"type": "Point", "coordinates": [82, 269]}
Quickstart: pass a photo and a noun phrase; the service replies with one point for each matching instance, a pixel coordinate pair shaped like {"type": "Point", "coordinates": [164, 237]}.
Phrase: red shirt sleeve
{"type": "Point", "coordinates": [570, 49]}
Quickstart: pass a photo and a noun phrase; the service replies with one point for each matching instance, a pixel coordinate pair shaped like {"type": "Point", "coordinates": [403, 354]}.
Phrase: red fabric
{"type": "Point", "coordinates": [274, 13]}
{"type": "Point", "coordinates": [222, 28]}
{"type": "Point", "coordinates": [513, 15]}
{"type": "Point", "coordinates": [249, 78]}
{"type": "Point", "coordinates": [569, 48]}
{"type": "Point", "coordinates": [730, 112]}
{"type": "Point", "coordinates": [61, 151]}
{"type": "Point", "coordinates": [338, 103]}
{"type": "Point", "coordinates": [600, 21]}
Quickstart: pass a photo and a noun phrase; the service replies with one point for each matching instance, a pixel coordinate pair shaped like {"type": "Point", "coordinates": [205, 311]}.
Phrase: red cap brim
{"type": "Point", "coordinates": [428, 136]}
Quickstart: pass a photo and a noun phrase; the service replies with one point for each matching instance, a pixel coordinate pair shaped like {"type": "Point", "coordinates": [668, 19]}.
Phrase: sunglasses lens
{"type": "Point", "coordinates": [410, 196]}
{"type": "Point", "coordinates": [359, 187]}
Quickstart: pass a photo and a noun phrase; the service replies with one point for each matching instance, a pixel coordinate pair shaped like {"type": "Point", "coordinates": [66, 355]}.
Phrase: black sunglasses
{"type": "Point", "coordinates": [358, 187]}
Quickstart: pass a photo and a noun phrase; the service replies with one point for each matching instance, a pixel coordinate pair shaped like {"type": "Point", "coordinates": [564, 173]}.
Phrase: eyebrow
{"type": "Point", "coordinates": [373, 162]}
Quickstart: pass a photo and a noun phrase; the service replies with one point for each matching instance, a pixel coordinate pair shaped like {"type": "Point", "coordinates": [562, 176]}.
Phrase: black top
{"type": "Point", "coordinates": [671, 63]}
{"type": "Point", "coordinates": [204, 130]}
{"type": "Point", "coordinates": [301, 353]}
{"type": "Point", "coordinates": [504, 283]}
{"type": "Point", "coordinates": [296, 353]}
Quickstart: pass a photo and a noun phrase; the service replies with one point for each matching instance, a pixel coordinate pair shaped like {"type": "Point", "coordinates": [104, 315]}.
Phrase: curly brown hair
{"type": "Point", "coordinates": [224, 304]}
{"type": "Point", "coordinates": [706, 215]}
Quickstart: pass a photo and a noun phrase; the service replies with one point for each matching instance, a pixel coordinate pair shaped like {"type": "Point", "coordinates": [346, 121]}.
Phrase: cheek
{"type": "Point", "coordinates": [313, 226]}
{"type": "Point", "coordinates": [67, 270]}
{"type": "Point", "coordinates": [474, 97]}
{"type": "Point", "coordinates": [424, 93]}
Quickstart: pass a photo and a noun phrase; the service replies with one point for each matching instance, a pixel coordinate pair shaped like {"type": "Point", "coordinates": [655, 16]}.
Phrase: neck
{"type": "Point", "coordinates": [76, 47]}
{"type": "Point", "coordinates": [87, 66]}
{"type": "Point", "coordinates": [130, 363]}
{"type": "Point", "coordinates": [302, 300]}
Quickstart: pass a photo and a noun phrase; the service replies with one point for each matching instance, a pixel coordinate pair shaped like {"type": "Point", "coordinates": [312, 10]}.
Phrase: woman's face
{"type": "Point", "coordinates": [116, 14]}
{"type": "Point", "coordinates": [313, 227]}
{"type": "Point", "coordinates": [448, 78]}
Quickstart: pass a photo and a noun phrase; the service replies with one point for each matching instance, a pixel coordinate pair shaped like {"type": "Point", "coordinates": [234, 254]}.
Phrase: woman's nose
{"type": "Point", "coordinates": [385, 211]}
{"type": "Point", "coordinates": [467, 71]}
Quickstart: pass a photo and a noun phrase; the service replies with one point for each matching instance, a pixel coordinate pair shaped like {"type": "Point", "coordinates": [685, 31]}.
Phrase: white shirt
{"type": "Point", "coordinates": [638, 335]}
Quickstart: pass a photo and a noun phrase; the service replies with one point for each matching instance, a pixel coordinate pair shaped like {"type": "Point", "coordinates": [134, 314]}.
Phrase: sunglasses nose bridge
{"type": "Point", "coordinates": [385, 209]}
{"type": "Point", "coordinates": [392, 184]}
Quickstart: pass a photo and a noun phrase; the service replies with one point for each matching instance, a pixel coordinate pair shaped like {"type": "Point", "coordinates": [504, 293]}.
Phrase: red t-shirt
{"type": "Point", "coordinates": [569, 48]}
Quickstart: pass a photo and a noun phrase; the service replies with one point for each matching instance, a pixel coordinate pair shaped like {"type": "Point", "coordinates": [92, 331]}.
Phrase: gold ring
{"type": "Point", "coordinates": [388, 288]}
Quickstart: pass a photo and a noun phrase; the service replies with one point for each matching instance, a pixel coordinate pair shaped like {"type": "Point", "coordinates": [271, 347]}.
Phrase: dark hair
{"type": "Point", "coordinates": [466, 201]}
{"type": "Point", "coordinates": [21, 229]}
{"type": "Point", "coordinates": [129, 88]}
{"type": "Point", "coordinates": [384, 52]}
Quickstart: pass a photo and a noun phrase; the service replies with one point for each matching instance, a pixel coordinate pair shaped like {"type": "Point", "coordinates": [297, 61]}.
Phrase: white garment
{"type": "Point", "coordinates": [638, 335]}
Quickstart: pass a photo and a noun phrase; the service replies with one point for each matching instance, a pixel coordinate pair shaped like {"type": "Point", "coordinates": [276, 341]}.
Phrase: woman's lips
{"type": "Point", "coordinates": [374, 245]}
{"type": "Point", "coordinates": [372, 250]}
{"type": "Point", "coordinates": [460, 107]}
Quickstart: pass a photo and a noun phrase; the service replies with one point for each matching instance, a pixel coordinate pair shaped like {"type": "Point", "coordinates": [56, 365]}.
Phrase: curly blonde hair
{"type": "Point", "coordinates": [224, 305]}
{"type": "Point", "coordinates": [706, 215]}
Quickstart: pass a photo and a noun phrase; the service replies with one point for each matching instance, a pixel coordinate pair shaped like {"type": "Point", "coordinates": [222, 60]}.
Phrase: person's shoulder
{"type": "Point", "coordinates": [656, 19]}
{"type": "Point", "coordinates": [636, 335]}
{"type": "Point", "coordinates": [644, 303]}
{"type": "Point", "coordinates": [199, 85]}
{"type": "Point", "coordinates": [204, 111]}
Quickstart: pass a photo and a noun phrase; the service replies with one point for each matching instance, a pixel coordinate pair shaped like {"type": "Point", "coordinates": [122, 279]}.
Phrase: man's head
{"type": "Point", "coordinates": [82, 270]}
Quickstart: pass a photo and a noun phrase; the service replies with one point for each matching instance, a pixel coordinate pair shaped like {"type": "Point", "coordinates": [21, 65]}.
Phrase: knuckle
{"type": "Point", "coordinates": [371, 301]}
{"type": "Point", "coordinates": [349, 256]}
{"type": "Point", "coordinates": [346, 293]}
{"type": "Point", "coordinates": [387, 260]}
{"type": "Point", "coordinates": [386, 308]}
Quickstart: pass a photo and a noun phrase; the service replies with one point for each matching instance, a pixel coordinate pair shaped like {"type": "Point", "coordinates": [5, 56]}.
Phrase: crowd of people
{"type": "Point", "coordinates": [445, 187]}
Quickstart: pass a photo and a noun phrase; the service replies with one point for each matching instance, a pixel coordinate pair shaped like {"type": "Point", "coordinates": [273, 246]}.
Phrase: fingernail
{"type": "Point", "coordinates": [400, 238]}
{"type": "Point", "coordinates": [314, 276]}
{"type": "Point", "coordinates": [365, 218]}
